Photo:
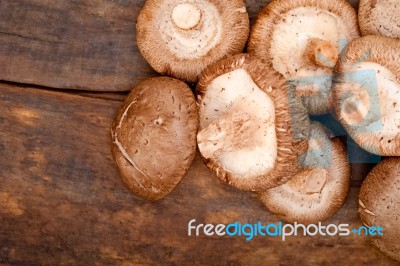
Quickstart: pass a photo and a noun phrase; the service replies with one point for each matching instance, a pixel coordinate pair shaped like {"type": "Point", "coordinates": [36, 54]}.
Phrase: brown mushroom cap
{"type": "Point", "coordinates": [366, 94]}
{"type": "Point", "coordinates": [154, 136]}
{"type": "Point", "coordinates": [181, 38]}
{"type": "Point", "coordinates": [316, 192]}
{"type": "Point", "coordinates": [379, 17]}
{"type": "Point", "coordinates": [252, 127]}
{"type": "Point", "coordinates": [302, 39]}
{"type": "Point", "coordinates": [380, 205]}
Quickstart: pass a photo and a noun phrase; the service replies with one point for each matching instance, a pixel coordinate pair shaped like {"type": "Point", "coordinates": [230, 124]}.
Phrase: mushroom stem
{"type": "Point", "coordinates": [355, 104]}
{"type": "Point", "coordinates": [186, 16]}
{"type": "Point", "coordinates": [321, 53]}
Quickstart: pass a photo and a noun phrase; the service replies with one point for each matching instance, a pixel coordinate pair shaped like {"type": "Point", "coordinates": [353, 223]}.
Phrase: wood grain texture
{"type": "Point", "coordinates": [85, 45]}
{"type": "Point", "coordinates": [77, 44]}
{"type": "Point", "coordinates": [62, 201]}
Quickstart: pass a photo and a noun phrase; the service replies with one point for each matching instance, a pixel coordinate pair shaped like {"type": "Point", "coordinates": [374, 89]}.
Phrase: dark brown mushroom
{"type": "Point", "coordinates": [252, 127]}
{"type": "Point", "coordinates": [159, 115]}
{"type": "Point", "coordinates": [181, 38]}
{"type": "Point", "coordinates": [318, 190]}
{"type": "Point", "coordinates": [380, 205]}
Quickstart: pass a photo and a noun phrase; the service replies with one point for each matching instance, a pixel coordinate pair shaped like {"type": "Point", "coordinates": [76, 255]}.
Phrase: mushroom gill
{"type": "Point", "coordinates": [317, 190]}
{"type": "Point", "coordinates": [302, 40]}
{"type": "Point", "coordinates": [252, 130]}
{"type": "Point", "coordinates": [366, 94]}
{"type": "Point", "coordinates": [181, 38]}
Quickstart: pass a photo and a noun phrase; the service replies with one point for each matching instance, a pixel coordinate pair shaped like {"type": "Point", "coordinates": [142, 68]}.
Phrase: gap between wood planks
{"type": "Point", "coordinates": [109, 96]}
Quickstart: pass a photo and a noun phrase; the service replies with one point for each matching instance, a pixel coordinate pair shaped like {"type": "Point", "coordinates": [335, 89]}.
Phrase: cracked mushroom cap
{"type": "Point", "coordinates": [181, 38]}
{"type": "Point", "coordinates": [252, 129]}
{"type": "Point", "coordinates": [319, 190]}
{"type": "Point", "coordinates": [154, 136]}
{"type": "Point", "coordinates": [379, 17]}
{"type": "Point", "coordinates": [366, 94]}
{"type": "Point", "coordinates": [302, 39]}
{"type": "Point", "coordinates": [380, 205]}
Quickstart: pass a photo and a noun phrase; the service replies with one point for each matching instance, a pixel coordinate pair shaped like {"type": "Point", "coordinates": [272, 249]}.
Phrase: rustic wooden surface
{"type": "Point", "coordinates": [82, 45]}
{"type": "Point", "coordinates": [61, 199]}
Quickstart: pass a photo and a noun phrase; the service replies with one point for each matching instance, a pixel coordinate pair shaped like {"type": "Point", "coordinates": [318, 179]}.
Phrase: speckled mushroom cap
{"type": "Point", "coordinates": [318, 190]}
{"type": "Point", "coordinates": [252, 128]}
{"type": "Point", "coordinates": [366, 94]}
{"type": "Point", "coordinates": [154, 136]}
{"type": "Point", "coordinates": [380, 205]}
{"type": "Point", "coordinates": [181, 38]}
{"type": "Point", "coordinates": [379, 17]}
{"type": "Point", "coordinates": [302, 39]}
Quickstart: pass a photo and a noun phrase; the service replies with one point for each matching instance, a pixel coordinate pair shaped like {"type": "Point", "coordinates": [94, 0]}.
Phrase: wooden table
{"type": "Point", "coordinates": [65, 68]}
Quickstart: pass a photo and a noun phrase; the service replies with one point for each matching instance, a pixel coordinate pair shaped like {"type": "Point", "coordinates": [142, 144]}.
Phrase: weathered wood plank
{"type": "Point", "coordinates": [61, 200]}
{"type": "Point", "coordinates": [83, 45]}
{"type": "Point", "coordinates": [86, 45]}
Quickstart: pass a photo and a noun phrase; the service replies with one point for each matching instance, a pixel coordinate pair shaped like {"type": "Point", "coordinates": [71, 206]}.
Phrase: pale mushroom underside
{"type": "Point", "coordinates": [319, 189]}
{"type": "Point", "coordinates": [380, 17]}
{"type": "Point", "coordinates": [237, 125]}
{"type": "Point", "coordinates": [369, 107]}
{"type": "Point", "coordinates": [303, 40]}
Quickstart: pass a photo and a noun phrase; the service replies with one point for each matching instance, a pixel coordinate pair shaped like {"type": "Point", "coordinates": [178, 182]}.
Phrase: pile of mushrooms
{"type": "Point", "coordinates": [251, 114]}
{"type": "Point", "coordinates": [366, 98]}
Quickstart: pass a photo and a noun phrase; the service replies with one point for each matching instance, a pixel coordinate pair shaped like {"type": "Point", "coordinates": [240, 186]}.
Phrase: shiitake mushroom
{"type": "Point", "coordinates": [181, 38]}
{"type": "Point", "coordinates": [366, 94]}
{"type": "Point", "coordinates": [253, 129]}
{"type": "Point", "coordinates": [154, 136]}
{"type": "Point", "coordinates": [379, 202]}
{"type": "Point", "coordinates": [320, 188]}
{"type": "Point", "coordinates": [302, 40]}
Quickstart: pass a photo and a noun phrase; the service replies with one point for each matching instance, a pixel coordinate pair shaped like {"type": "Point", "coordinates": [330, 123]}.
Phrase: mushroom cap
{"type": "Point", "coordinates": [253, 130]}
{"type": "Point", "coordinates": [181, 38]}
{"type": "Point", "coordinates": [379, 17]}
{"type": "Point", "coordinates": [366, 94]}
{"type": "Point", "coordinates": [318, 190]}
{"type": "Point", "coordinates": [380, 205]}
{"type": "Point", "coordinates": [159, 115]}
{"type": "Point", "coordinates": [302, 40]}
